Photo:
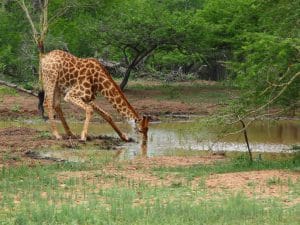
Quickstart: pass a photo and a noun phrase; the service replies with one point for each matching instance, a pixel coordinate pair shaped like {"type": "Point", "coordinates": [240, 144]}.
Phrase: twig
{"type": "Point", "coordinates": [14, 86]}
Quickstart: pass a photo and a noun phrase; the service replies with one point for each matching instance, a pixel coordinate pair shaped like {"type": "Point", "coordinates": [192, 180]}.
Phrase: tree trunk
{"type": "Point", "coordinates": [126, 77]}
{"type": "Point", "coordinates": [246, 140]}
{"type": "Point", "coordinates": [137, 59]}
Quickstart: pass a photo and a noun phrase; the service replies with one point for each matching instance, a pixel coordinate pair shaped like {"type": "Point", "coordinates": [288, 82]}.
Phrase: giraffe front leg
{"type": "Point", "coordinates": [88, 116]}
{"type": "Point", "coordinates": [108, 118]}
{"type": "Point", "coordinates": [88, 112]}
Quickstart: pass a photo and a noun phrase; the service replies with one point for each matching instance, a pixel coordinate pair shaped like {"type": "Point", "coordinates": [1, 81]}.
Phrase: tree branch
{"type": "Point", "coordinates": [33, 28]}
{"type": "Point", "coordinates": [14, 86]}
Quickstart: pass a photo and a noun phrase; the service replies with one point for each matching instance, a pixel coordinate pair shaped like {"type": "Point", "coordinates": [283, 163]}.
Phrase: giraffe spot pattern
{"type": "Point", "coordinates": [83, 78]}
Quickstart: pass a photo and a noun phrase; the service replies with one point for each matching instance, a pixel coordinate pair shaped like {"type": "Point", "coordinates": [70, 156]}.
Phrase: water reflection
{"type": "Point", "coordinates": [264, 136]}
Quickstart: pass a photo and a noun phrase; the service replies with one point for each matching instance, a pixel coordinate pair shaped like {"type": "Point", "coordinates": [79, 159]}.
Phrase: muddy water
{"type": "Point", "coordinates": [169, 136]}
{"type": "Point", "coordinates": [264, 136]}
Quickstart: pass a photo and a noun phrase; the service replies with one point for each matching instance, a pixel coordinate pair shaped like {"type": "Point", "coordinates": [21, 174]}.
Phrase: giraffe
{"type": "Point", "coordinates": [79, 80]}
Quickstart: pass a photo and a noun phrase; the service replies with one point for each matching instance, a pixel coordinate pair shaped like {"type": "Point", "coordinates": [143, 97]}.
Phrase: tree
{"type": "Point", "coordinates": [138, 28]}
{"type": "Point", "coordinates": [265, 63]}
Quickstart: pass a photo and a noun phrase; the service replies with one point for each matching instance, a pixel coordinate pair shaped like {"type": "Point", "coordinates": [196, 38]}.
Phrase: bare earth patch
{"type": "Point", "coordinates": [173, 161]}
{"type": "Point", "coordinates": [261, 184]}
{"type": "Point", "coordinates": [145, 102]}
{"type": "Point", "coordinates": [20, 145]}
{"type": "Point", "coordinates": [258, 184]}
{"type": "Point", "coordinates": [138, 171]}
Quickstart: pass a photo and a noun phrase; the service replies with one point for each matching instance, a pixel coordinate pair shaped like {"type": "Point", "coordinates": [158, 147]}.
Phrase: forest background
{"type": "Point", "coordinates": [251, 45]}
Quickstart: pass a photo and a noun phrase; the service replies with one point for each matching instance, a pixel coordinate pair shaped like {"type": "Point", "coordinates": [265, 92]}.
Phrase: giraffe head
{"type": "Point", "coordinates": [142, 127]}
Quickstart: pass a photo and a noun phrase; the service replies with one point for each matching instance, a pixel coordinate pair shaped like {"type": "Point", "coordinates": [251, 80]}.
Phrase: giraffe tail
{"type": "Point", "coordinates": [41, 96]}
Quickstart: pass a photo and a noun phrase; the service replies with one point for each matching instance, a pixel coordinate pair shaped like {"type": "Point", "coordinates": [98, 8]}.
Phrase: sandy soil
{"type": "Point", "coordinates": [144, 101]}
{"type": "Point", "coordinates": [255, 184]}
{"type": "Point", "coordinates": [15, 143]}
{"type": "Point", "coordinates": [18, 145]}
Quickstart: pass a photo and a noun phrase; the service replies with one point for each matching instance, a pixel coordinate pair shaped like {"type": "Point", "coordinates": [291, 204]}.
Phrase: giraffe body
{"type": "Point", "coordinates": [79, 80]}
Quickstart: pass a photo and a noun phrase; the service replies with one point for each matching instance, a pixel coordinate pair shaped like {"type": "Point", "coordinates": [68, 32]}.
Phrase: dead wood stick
{"type": "Point", "coordinates": [14, 86]}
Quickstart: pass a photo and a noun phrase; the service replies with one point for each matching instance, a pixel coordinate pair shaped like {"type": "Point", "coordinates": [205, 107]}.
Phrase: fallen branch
{"type": "Point", "coordinates": [14, 86]}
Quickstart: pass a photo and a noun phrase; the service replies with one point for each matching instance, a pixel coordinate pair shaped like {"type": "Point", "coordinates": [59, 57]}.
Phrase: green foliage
{"type": "Point", "coordinates": [7, 91]}
{"type": "Point", "coordinates": [257, 40]}
{"type": "Point", "coordinates": [269, 63]}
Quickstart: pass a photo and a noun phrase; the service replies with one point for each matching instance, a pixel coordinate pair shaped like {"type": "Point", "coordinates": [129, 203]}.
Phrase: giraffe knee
{"type": "Point", "coordinates": [89, 110]}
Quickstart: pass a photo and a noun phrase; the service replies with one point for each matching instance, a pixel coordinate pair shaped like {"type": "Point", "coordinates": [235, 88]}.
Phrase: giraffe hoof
{"type": "Point", "coordinates": [82, 139]}
{"type": "Point", "coordinates": [125, 138]}
{"type": "Point", "coordinates": [58, 137]}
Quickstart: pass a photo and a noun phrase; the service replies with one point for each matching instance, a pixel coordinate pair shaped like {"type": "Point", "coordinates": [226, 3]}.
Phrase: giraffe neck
{"type": "Point", "coordinates": [115, 96]}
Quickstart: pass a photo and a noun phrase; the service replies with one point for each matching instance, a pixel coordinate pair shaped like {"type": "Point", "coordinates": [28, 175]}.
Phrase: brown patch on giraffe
{"type": "Point", "coordinates": [118, 100]}
{"type": "Point", "coordinates": [81, 79]}
{"type": "Point", "coordinates": [88, 92]}
{"type": "Point", "coordinates": [88, 73]}
{"type": "Point", "coordinates": [79, 64]}
{"type": "Point", "coordinates": [105, 92]}
{"type": "Point", "coordinates": [95, 80]}
{"type": "Point", "coordinates": [72, 81]}
{"type": "Point", "coordinates": [86, 85]}
{"type": "Point", "coordinates": [82, 88]}
{"type": "Point", "coordinates": [67, 76]}
{"type": "Point", "coordinates": [94, 88]}
{"type": "Point", "coordinates": [90, 65]}
{"type": "Point", "coordinates": [71, 70]}
{"type": "Point", "coordinates": [101, 78]}
{"type": "Point", "coordinates": [114, 92]}
{"type": "Point", "coordinates": [83, 70]}
{"type": "Point", "coordinates": [62, 80]}
{"type": "Point", "coordinates": [106, 84]}
{"type": "Point", "coordinates": [79, 93]}
{"type": "Point", "coordinates": [73, 61]}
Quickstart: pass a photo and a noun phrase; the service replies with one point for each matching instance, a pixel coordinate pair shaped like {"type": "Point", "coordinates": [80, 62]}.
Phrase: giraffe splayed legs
{"type": "Point", "coordinates": [79, 80]}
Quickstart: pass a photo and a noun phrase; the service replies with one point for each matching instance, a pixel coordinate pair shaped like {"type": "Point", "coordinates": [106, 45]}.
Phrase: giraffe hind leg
{"type": "Point", "coordinates": [108, 118]}
{"type": "Point", "coordinates": [59, 112]}
{"type": "Point", "coordinates": [49, 102]}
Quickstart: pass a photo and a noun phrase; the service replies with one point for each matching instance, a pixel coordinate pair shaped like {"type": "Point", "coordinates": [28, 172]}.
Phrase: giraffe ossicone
{"type": "Point", "coordinates": [79, 80]}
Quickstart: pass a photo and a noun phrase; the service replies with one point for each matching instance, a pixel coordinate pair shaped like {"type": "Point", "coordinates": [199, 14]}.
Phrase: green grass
{"type": "Point", "coordinates": [237, 164]}
{"type": "Point", "coordinates": [233, 210]}
{"type": "Point", "coordinates": [192, 93]}
{"type": "Point", "coordinates": [36, 195]}
{"type": "Point", "coordinates": [7, 91]}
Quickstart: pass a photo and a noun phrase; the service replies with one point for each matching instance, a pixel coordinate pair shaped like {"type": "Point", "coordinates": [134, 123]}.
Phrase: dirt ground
{"type": "Point", "coordinates": [255, 184]}
{"type": "Point", "coordinates": [144, 101]}
{"type": "Point", "coordinates": [17, 145]}
{"type": "Point", "coordinates": [15, 142]}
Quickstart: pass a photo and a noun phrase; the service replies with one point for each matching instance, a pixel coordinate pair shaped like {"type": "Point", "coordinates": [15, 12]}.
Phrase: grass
{"type": "Point", "coordinates": [192, 93]}
{"type": "Point", "coordinates": [7, 91]}
{"type": "Point", "coordinates": [4, 91]}
{"type": "Point", "coordinates": [238, 164]}
{"type": "Point", "coordinates": [39, 195]}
